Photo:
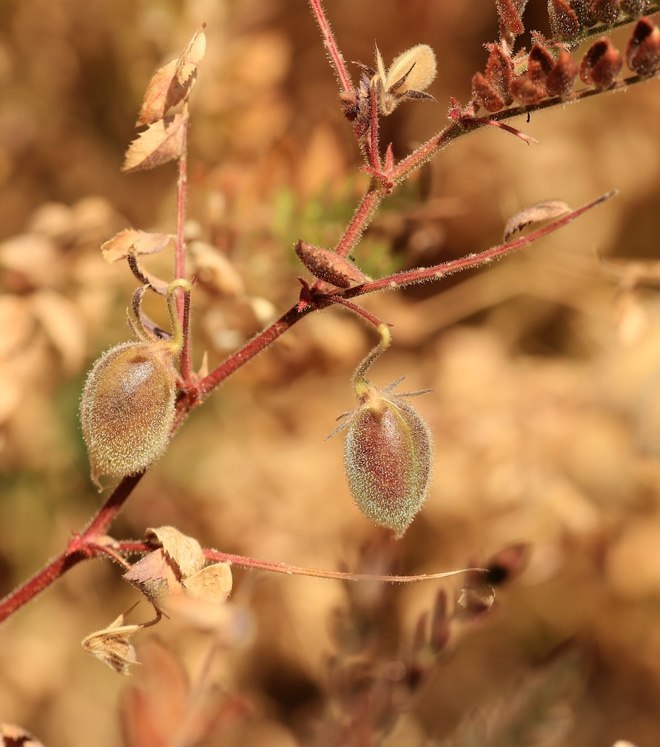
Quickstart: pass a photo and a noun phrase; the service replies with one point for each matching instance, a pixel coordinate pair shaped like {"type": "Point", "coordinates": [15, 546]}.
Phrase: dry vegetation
{"type": "Point", "coordinates": [545, 370]}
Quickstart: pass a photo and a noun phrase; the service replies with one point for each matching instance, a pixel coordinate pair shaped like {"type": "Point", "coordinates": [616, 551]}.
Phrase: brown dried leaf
{"type": "Point", "coordinates": [191, 56]}
{"type": "Point", "coordinates": [129, 243]}
{"type": "Point", "coordinates": [162, 93]}
{"type": "Point", "coordinates": [161, 142]}
{"type": "Point", "coordinates": [155, 577]}
{"type": "Point", "coordinates": [211, 584]}
{"type": "Point", "coordinates": [172, 82]}
{"type": "Point", "coordinates": [185, 552]}
{"type": "Point", "coordinates": [112, 645]}
{"type": "Point", "coordinates": [537, 213]}
{"type": "Point", "coordinates": [16, 736]}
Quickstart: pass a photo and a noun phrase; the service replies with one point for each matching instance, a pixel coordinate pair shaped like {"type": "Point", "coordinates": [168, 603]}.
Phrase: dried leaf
{"type": "Point", "coordinates": [129, 243]}
{"type": "Point", "coordinates": [172, 82]}
{"type": "Point", "coordinates": [211, 584]}
{"type": "Point", "coordinates": [185, 552]}
{"type": "Point", "coordinates": [16, 736]}
{"type": "Point", "coordinates": [162, 93]}
{"type": "Point", "coordinates": [155, 577]}
{"type": "Point", "coordinates": [161, 142]}
{"type": "Point", "coordinates": [191, 56]}
{"type": "Point", "coordinates": [537, 213]}
{"type": "Point", "coordinates": [112, 645]}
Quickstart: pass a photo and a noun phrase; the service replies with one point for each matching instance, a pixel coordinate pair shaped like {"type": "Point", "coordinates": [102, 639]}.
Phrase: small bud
{"type": "Point", "coordinates": [561, 78]}
{"type": "Point", "coordinates": [563, 20]}
{"type": "Point", "coordinates": [605, 11]}
{"type": "Point", "coordinates": [387, 456]}
{"type": "Point", "coordinates": [526, 90]}
{"type": "Point", "coordinates": [601, 64]}
{"type": "Point", "coordinates": [539, 63]}
{"type": "Point", "coordinates": [499, 71]}
{"type": "Point", "coordinates": [127, 408]}
{"type": "Point", "coordinates": [643, 50]}
{"type": "Point", "coordinates": [409, 75]}
{"type": "Point", "coordinates": [329, 266]}
{"type": "Point", "coordinates": [485, 95]}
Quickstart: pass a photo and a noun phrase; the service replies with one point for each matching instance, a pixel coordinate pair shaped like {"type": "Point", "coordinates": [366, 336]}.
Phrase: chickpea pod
{"type": "Point", "coordinates": [387, 452]}
{"type": "Point", "coordinates": [127, 406]}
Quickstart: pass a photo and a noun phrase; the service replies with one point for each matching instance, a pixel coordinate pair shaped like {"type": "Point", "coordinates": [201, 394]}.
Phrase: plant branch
{"type": "Point", "coordinates": [330, 43]}
{"type": "Point", "coordinates": [253, 347]}
{"type": "Point", "coordinates": [436, 272]}
{"type": "Point", "coordinates": [242, 561]}
{"type": "Point", "coordinates": [360, 220]}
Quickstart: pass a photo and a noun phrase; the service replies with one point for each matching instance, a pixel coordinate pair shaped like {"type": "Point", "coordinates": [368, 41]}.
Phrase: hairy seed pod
{"type": "Point", "coordinates": [127, 408]}
{"type": "Point", "coordinates": [387, 456]}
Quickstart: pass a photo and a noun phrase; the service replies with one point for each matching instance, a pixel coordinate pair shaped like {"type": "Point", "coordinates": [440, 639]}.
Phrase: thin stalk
{"type": "Point", "coordinates": [330, 43]}
{"type": "Point", "coordinates": [439, 271]}
{"type": "Point", "coordinates": [253, 347]}
{"type": "Point", "coordinates": [360, 220]}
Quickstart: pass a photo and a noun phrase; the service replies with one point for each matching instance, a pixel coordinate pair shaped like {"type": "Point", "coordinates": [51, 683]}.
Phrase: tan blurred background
{"type": "Point", "coordinates": [545, 369]}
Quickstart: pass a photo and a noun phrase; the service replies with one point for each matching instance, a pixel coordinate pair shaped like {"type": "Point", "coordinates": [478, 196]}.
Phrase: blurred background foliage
{"type": "Point", "coordinates": [545, 368]}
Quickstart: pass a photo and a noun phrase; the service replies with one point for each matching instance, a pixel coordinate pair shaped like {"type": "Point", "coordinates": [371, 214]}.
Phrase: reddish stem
{"type": "Point", "coordinates": [436, 272]}
{"type": "Point", "coordinates": [373, 150]}
{"type": "Point", "coordinates": [360, 220]}
{"type": "Point", "coordinates": [336, 57]}
{"type": "Point", "coordinates": [253, 347]}
{"type": "Point", "coordinates": [216, 556]}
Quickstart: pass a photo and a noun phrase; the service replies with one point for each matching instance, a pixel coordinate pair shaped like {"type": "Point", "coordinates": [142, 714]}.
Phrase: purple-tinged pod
{"type": "Point", "coordinates": [387, 456]}
{"type": "Point", "coordinates": [329, 266]}
{"type": "Point", "coordinates": [127, 408]}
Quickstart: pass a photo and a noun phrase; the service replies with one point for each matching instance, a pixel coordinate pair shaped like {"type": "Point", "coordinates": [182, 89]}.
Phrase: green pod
{"type": "Point", "coordinates": [387, 456]}
{"type": "Point", "coordinates": [127, 408]}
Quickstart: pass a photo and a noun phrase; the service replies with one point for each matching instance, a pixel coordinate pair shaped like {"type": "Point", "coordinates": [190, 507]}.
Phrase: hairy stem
{"type": "Point", "coordinates": [330, 43]}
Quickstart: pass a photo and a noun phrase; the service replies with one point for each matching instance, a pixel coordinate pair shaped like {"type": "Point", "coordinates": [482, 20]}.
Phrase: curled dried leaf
{"type": "Point", "coordinates": [172, 82]}
{"type": "Point", "coordinates": [155, 577]}
{"type": "Point", "coordinates": [185, 552]}
{"type": "Point", "coordinates": [161, 142]}
{"type": "Point", "coordinates": [537, 213]}
{"type": "Point", "coordinates": [211, 584]}
{"type": "Point", "coordinates": [131, 243]}
{"type": "Point", "coordinates": [191, 56]}
{"type": "Point", "coordinates": [113, 646]}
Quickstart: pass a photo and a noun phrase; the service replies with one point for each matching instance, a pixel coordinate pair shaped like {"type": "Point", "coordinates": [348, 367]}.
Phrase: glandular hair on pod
{"type": "Point", "coordinates": [388, 454]}
{"type": "Point", "coordinates": [127, 408]}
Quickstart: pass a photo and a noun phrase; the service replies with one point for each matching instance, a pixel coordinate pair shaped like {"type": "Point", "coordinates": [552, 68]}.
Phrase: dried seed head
{"type": "Point", "coordinates": [387, 455]}
{"type": "Point", "coordinates": [564, 21]}
{"type": "Point", "coordinates": [605, 11]}
{"type": "Point", "coordinates": [562, 76]}
{"type": "Point", "coordinates": [601, 64]}
{"type": "Point", "coordinates": [643, 50]}
{"type": "Point", "coordinates": [409, 75]}
{"type": "Point", "coordinates": [127, 408]}
{"type": "Point", "coordinates": [484, 94]}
